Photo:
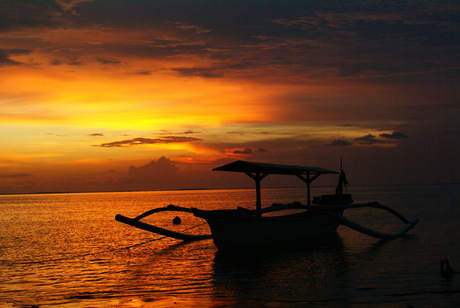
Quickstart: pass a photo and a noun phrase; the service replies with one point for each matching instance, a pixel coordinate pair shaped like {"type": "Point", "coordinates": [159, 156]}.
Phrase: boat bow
{"type": "Point", "coordinates": [135, 222]}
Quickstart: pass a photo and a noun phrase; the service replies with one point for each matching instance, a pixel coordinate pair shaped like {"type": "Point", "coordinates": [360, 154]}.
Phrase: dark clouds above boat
{"type": "Point", "coordinates": [313, 39]}
{"type": "Point", "coordinates": [20, 14]}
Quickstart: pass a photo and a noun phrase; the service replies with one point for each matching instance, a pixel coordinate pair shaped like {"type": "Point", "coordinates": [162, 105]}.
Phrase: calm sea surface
{"type": "Point", "coordinates": [66, 250]}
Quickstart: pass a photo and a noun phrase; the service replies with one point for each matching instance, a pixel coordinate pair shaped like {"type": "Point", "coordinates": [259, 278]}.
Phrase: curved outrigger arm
{"type": "Point", "coordinates": [135, 222]}
{"type": "Point", "coordinates": [332, 210]}
{"type": "Point", "coordinates": [169, 208]}
{"type": "Point", "coordinates": [360, 228]}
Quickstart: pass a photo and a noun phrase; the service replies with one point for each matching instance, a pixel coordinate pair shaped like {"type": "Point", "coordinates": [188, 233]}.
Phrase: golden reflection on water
{"type": "Point", "coordinates": [68, 251]}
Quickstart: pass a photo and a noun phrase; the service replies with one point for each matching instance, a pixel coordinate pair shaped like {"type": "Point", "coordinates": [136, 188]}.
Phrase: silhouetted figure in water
{"type": "Point", "coordinates": [446, 270]}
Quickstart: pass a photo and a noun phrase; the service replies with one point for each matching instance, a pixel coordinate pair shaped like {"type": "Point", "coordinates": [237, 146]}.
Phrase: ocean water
{"type": "Point", "coordinates": [66, 250]}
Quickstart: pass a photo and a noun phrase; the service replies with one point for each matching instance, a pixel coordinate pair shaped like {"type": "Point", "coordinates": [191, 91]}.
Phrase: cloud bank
{"type": "Point", "coordinates": [141, 141]}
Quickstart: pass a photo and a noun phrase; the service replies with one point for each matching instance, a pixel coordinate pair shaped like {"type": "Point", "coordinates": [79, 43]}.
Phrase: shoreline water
{"type": "Point", "coordinates": [66, 250]}
{"type": "Point", "coordinates": [223, 188]}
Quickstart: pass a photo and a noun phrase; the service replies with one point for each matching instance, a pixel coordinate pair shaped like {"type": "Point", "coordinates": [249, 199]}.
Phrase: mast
{"type": "Point", "coordinates": [342, 180]}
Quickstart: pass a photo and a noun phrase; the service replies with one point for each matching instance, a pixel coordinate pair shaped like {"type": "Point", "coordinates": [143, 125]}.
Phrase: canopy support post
{"type": "Point", "coordinates": [307, 179]}
{"type": "Point", "coordinates": [257, 177]}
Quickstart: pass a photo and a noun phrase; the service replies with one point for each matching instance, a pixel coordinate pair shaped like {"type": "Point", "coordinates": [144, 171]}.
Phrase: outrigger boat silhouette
{"type": "Point", "coordinates": [240, 227]}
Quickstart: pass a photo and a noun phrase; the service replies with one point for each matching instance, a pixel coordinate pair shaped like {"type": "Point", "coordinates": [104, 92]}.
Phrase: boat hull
{"type": "Point", "coordinates": [234, 231]}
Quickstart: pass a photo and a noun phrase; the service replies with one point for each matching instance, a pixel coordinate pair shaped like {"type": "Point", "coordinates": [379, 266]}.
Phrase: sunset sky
{"type": "Point", "coordinates": [131, 95]}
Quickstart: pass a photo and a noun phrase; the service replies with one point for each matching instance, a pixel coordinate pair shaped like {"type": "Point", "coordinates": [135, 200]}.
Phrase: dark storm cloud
{"type": "Point", "coordinates": [5, 55]}
{"type": "Point", "coordinates": [314, 39]}
{"type": "Point", "coordinates": [397, 33]}
{"type": "Point", "coordinates": [205, 72]}
{"type": "Point", "coordinates": [394, 135]}
{"type": "Point", "coordinates": [219, 69]}
{"type": "Point", "coordinates": [188, 132]}
{"type": "Point", "coordinates": [150, 50]}
{"type": "Point", "coordinates": [435, 107]}
{"type": "Point", "coordinates": [340, 142]}
{"type": "Point", "coordinates": [22, 13]}
{"type": "Point", "coordinates": [140, 141]}
{"type": "Point", "coordinates": [105, 61]}
{"type": "Point", "coordinates": [73, 61]}
{"type": "Point", "coordinates": [245, 151]}
{"type": "Point", "coordinates": [249, 151]}
{"type": "Point", "coordinates": [369, 139]}
{"type": "Point", "coordinates": [261, 150]}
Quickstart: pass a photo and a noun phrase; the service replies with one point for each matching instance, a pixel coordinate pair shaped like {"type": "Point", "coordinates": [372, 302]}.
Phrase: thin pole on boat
{"type": "Point", "coordinates": [258, 195]}
{"type": "Point", "coordinates": [308, 189]}
{"type": "Point", "coordinates": [257, 177]}
{"type": "Point", "coordinates": [307, 179]}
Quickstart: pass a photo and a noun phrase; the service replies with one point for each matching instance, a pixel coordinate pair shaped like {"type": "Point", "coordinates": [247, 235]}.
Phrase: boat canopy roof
{"type": "Point", "coordinates": [258, 171]}
{"type": "Point", "coordinates": [254, 167]}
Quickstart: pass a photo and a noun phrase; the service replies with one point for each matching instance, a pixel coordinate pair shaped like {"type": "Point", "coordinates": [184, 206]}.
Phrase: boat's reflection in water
{"type": "Point", "coordinates": [293, 272]}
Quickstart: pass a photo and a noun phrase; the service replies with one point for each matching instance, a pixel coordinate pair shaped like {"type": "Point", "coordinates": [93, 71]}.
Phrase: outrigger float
{"type": "Point", "coordinates": [240, 227]}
